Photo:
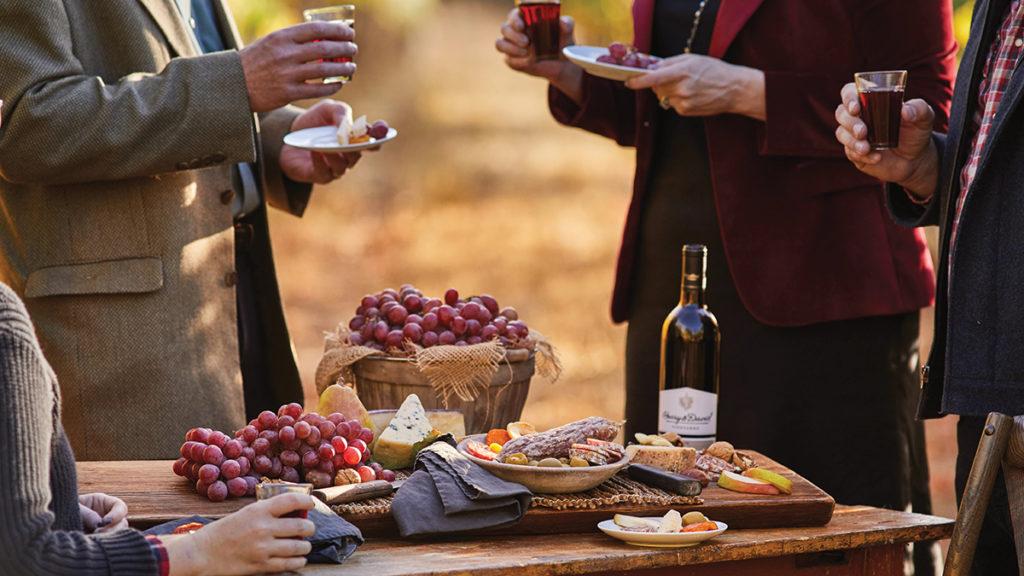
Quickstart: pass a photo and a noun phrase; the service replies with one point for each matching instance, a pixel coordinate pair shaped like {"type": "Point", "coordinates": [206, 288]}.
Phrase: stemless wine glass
{"type": "Point", "coordinates": [265, 490]}
{"type": "Point", "coordinates": [343, 14]}
{"type": "Point", "coordinates": [881, 104]}
{"type": "Point", "coordinates": [543, 27]}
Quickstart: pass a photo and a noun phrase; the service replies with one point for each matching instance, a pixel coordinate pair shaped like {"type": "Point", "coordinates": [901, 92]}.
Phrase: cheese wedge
{"type": "Point", "coordinates": [408, 433]}
{"type": "Point", "coordinates": [345, 128]}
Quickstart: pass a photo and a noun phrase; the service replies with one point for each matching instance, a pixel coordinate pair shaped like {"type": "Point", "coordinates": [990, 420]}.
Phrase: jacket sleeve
{"type": "Point", "coordinates": [801, 105]}
{"type": "Point", "coordinates": [62, 125]}
{"type": "Point", "coordinates": [280, 191]}
{"type": "Point", "coordinates": [29, 545]}
{"type": "Point", "coordinates": [912, 214]}
{"type": "Point", "coordinates": [608, 109]}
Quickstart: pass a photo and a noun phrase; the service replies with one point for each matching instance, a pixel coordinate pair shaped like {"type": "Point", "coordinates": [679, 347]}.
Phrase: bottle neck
{"type": "Point", "coordinates": [694, 275]}
{"type": "Point", "coordinates": [691, 295]}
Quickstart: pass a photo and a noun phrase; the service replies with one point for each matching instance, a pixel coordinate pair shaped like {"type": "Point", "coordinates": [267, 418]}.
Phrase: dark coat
{"type": "Point", "coordinates": [806, 235]}
{"type": "Point", "coordinates": [977, 360]}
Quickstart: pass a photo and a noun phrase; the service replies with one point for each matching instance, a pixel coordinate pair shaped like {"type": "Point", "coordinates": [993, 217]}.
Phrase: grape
{"type": "Point", "coordinates": [397, 315]}
{"type": "Point", "coordinates": [249, 453]}
{"type": "Point", "coordinates": [461, 343]}
{"type": "Point", "coordinates": [289, 474]}
{"type": "Point", "coordinates": [231, 469]}
{"type": "Point", "coordinates": [191, 434]}
{"type": "Point", "coordinates": [366, 457]}
{"type": "Point", "coordinates": [460, 306]}
{"type": "Point", "coordinates": [474, 340]}
{"type": "Point", "coordinates": [327, 429]}
{"type": "Point", "coordinates": [314, 436]}
{"type": "Point", "coordinates": [371, 313]}
{"type": "Point", "coordinates": [250, 485]}
{"type": "Point", "coordinates": [366, 436]}
{"type": "Point", "coordinates": [193, 471]}
{"type": "Point", "coordinates": [179, 466]}
{"type": "Point", "coordinates": [510, 313]}
{"type": "Point", "coordinates": [339, 442]}
{"type": "Point", "coordinates": [446, 338]}
{"type": "Point", "coordinates": [459, 325]}
{"type": "Point", "coordinates": [269, 436]}
{"type": "Point", "coordinates": [431, 304]}
{"type": "Point", "coordinates": [261, 446]}
{"type": "Point", "coordinates": [354, 427]}
{"type": "Point", "coordinates": [213, 455]}
{"type": "Point", "coordinates": [352, 456]}
{"type": "Point", "coordinates": [302, 429]}
{"type": "Point", "coordinates": [267, 419]}
{"type": "Point", "coordinates": [319, 479]}
{"type": "Point", "coordinates": [336, 418]}
{"type": "Point", "coordinates": [285, 420]}
{"type": "Point", "coordinates": [429, 321]}
{"type": "Point", "coordinates": [290, 458]}
{"type": "Point", "coordinates": [489, 303]}
{"type": "Point", "coordinates": [631, 60]}
{"type": "Point", "coordinates": [412, 303]}
{"type": "Point", "coordinates": [250, 433]}
{"type": "Point", "coordinates": [244, 464]}
{"type": "Point", "coordinates": [208, 473]}
{"type": "Point", "coordinates": [451, 296]}
{"type": "Point", "coordinates": [394, 339]}
{"type": "Point", "coordinates": [202, 487]}
{"type": "Point", "coordinates": [237, 487]}
{"type": "Point", "coordinates": [368, 301]}
{"type": "Point", "coordinates": [312, 417]}
{"type": "Point", "coordinates": [262, 464]}
{"type": "Point", "coordinates": [501, 323]}
{"type": "Point", "coordinates": [325, 451]}
{"type": "Point", "coordinates": [202, 435]}
{"type": "Point", "coordinates": [232, 449]}
{"type": "Point", "coordinates": [488, 332]}
{"type": "Point", "coordinates": [286, 435]}
{"type": "Point", "coordinates": [413, 332]}
{"type": "Point", "coordinates": [355, 339]}
{"type": "Point", "coordinates": [377, 468]}
{"type": "Point", "coordinates": [366, 474]}
{"type": "Point", "coordinates": [387, 476]}
{"type": "Point", "coordinates": [342, 430]}
{"type": "Point", "coordinates": [379, 130]}
{"type": "Point", "coordinates": [294, 410]}
{"type": "Point", "coordinates": [310, 459]}
{"type": "Point", "coordinates": [326, 466]}
{"type": "Point", "coordinates": [218, 492]}
{"type": "Point", "coordinates": [471, 311]}
{"type": "Point", "coordinates": [338, 460]}
{"type": "Point", "coordinates": [275, 467]}
{"type": "Point", "coordinates": [445, 314]}
{"type": "Point", "coordinates": [356, 323]}
{"type": "Point", "coordinates": [358, 444]}
{"type": "Point", "coordinates": [473, 327]}
{"type": "Point", "coordinates": [219, 439]}
{"type": "Point", "coordinates": [429, 339]}
{"type": "Point", "coordinates": [186, 448]}
{"type": "Point", "coordinates": [413, 319]}
{"type": "Point", "coordinates": [380, 331]}
{"type": "Point", "coordinates": [521, 328]}
{"type": "Point", "coordinates": [485, 316]}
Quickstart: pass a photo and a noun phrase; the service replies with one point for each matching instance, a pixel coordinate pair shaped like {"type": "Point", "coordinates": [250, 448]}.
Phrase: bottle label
{"type": "Point", "coordinates": [688, 412]}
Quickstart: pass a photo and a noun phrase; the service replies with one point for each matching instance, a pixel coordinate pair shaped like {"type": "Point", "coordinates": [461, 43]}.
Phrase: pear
{"type": "Point", "coordinates": [785, 485]}
{"type": "Point", "coordinates": [343, 399]}
{"type": "Point", "coordinates": [738, 483]}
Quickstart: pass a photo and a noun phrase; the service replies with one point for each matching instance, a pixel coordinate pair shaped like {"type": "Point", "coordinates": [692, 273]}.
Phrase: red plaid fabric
{"type": "Point", "coordinates": [163, 562]}
{"type": "Point", "coordinates": [1003, 58]}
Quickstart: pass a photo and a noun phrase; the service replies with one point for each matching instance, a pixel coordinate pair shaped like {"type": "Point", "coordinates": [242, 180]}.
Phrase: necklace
{"type": "Point", "coordinates": [696, 25]}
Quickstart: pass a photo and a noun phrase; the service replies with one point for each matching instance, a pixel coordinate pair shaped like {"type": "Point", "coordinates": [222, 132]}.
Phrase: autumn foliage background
{"type": "Point", "coordinates": [483, 192]}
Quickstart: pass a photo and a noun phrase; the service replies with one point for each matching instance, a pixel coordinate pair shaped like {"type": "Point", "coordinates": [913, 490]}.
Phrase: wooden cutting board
{"type": "Point", "coordinates": [155, 495]}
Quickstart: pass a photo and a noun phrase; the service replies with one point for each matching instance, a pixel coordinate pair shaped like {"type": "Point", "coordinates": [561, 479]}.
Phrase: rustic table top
{"type": "Point", "coordinates": [851, 527]}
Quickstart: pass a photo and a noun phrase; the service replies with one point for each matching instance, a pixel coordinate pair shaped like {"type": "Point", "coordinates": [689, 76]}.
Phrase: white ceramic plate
{"type": "Point", "coordinates": [586, 57]}
{"type": "Point", "coordinates": [660, 540]}
{"type": "Point", "coordinates": [325, 139]}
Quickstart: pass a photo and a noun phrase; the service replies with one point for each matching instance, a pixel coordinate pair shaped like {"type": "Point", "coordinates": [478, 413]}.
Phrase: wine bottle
{"type": "Point", "coordinates": [690, 351]}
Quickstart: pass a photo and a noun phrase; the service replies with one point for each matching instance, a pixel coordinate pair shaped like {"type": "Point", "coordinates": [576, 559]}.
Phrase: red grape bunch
{"type": "Point", "coordinates": [399, 321]}
{"type": "Point", "coordinates": [622, 55]}
{"type": "Point", "coordinates": [289, 445]}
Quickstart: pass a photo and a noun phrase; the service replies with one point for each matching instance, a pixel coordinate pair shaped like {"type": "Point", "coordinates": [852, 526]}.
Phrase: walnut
{"type": "Point", "coordinates": [722, 450]}
{"type": "Point", "coordinates": [347, 476]}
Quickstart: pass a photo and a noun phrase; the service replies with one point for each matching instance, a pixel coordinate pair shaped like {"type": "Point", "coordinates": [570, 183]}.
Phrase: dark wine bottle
{"type": "Point", "coordinates": [690, 353]}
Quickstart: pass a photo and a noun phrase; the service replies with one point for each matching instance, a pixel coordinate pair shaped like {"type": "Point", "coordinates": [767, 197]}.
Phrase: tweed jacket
{"type": "Point", "coordinates": [116, 152]}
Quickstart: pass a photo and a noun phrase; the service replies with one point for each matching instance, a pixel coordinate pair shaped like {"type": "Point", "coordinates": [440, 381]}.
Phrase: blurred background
{"type": "Point", "coordinates": [483, 192]}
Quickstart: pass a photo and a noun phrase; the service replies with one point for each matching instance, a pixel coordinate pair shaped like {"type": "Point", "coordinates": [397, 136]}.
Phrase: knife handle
{"type": "Point", "coordinates": [668, 481]}
{"type": "Point", "coordinates": [354, 492]}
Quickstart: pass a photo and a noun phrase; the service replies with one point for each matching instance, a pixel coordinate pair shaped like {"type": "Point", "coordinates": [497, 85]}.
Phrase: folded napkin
{"type": "Point", "coordinates": [449, 494]}
{"type": "Point", "coordinates": [334, 541]}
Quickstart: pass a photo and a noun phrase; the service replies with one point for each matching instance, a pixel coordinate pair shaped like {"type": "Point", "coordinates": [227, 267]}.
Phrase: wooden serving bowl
{"type": "Point", "coordinates": [546, 480]}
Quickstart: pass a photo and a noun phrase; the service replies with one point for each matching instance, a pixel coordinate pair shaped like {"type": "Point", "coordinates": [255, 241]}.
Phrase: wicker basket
{"type": "Point", "coordinates": [384, 383]}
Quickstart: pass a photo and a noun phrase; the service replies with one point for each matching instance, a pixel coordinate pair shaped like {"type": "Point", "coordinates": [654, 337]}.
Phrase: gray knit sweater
{"type": "Point", "coordinates": [40, 525]}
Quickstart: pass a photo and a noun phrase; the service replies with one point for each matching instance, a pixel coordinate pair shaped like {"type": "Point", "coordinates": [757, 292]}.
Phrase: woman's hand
{"type": "Point", "coordinates": [317, 167]}
{"type": "Point", "coordinates": [914, 165]}
{"type": "Point", "coordinates": [102, 513]}
{"type": "Point", "coordinates": [696, 85]}
{"type": "Point", "coordinates": [254, 540]}
{"type": "Point", "coordinates": [515, 45]}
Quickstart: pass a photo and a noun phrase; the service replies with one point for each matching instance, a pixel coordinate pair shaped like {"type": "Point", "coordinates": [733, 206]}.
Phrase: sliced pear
{"type": "Point", "coordinates": [632, 522]}
{"type": "Point", "coordinates": [672, 522]}
{"type": "Point", "coordinates": [738, 483]}
{"type": "Point", "coordinates": [694, 518]}
{"type": "Point", "coordinates": [517, 429]}
{"type": "Point", "coordinates": [785, 485]}
{"type": "Point", "coordinates": [642, 438]}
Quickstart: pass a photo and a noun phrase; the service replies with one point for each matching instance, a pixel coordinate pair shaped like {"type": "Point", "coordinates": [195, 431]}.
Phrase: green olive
{"type": "Point", "coordinates": [519, 459]}
{"type": "Point", "coordinates": [577, 462]}
{"type": "Point", "coordinates": [549, 463]}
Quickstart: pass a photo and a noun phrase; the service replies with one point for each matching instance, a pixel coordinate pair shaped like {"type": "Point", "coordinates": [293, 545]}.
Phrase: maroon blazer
{"type": "Point", "coordinates": [807, 236]}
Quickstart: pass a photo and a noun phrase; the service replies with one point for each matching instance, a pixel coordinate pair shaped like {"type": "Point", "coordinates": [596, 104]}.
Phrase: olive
{"type": "Point", "coordinates": [519, 459]}
{"type": "Point", "coordinates": [550, 463]}
{"type": "Point", "coordinates": [577, 462]}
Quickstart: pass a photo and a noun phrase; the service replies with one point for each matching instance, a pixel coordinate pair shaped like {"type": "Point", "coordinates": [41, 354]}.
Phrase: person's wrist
{"type": "Point", "coordinates": [568, 78]}
{"type": "Point", "coordinates": [749, 93]}
{"type": "Point", "coordinates": [925, 174]}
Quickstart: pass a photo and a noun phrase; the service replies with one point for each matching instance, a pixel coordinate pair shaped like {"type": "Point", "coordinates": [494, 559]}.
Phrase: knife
{"type": "Point", "coordinates": [357, 492]}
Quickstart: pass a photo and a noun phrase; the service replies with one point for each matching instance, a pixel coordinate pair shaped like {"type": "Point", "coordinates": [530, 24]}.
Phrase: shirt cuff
{"type": "Point", "coordinates": [163, 563]}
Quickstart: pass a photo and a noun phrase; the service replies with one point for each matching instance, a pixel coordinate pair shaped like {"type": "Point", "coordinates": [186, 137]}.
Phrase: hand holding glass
{"type": "Point", "coordinates": [881, 103]}
{"type": "Point", "coordinates": [344, 14]}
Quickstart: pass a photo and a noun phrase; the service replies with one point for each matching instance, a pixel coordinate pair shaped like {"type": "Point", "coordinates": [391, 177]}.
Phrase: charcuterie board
{"type": "Point", "coordinates": [155, 495]}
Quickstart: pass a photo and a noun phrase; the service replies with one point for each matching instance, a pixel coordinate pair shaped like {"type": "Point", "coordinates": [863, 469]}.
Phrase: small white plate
{"type": "Point", "coordinates": [325, 139]}
{"type": "Point", "coordinates": [586, 57]}
{"type": "Point", "coordinates": [660, 540]}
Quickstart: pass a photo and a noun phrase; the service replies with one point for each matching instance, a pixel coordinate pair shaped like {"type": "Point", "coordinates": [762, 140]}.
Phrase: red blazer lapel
{"type": "Point", "coordinates": [732, 16]}
{"type": "Point", "coordinates": [643, 24]}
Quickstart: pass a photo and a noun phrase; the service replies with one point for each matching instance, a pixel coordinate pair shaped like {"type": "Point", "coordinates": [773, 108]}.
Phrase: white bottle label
{"type": "Point", "coordinates": [688, 412]}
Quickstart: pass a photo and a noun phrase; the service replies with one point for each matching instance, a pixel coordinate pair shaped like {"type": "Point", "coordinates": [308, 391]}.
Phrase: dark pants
{"type": "Point", "coordinates": [995, 554]}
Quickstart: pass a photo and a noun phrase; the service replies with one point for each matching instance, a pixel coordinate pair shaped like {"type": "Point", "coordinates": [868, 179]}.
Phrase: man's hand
{"type": "Point", "coordinates": [515, 45]}
{"type": "Point", "coordinates": [696, 85]}
{"type": "Point", "coordinates": [914, 165]}
{"type": "Point", "coordinates": [317, 167]}
{"type": "Point", "coordinates": [278, 65]}
{"type": "Point", "coordinates": [102, 513]}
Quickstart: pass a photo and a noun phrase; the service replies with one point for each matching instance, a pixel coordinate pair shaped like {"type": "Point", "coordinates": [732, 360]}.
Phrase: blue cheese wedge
{"type": "Point", "coordinates": [405, 436]}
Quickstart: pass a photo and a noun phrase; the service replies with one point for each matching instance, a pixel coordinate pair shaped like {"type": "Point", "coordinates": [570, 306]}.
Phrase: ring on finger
{"type": "Point", "coordinates": [665, 103]}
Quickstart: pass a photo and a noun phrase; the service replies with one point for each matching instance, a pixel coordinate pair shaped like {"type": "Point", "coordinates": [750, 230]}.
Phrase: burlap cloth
{"type": "Point", "coordinates": [620, 489]}
{"type": "Point", "coordinates": [453, 371]}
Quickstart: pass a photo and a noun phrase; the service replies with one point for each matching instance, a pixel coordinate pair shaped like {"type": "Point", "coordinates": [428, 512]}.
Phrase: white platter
{"type": "Point", "coordinates": [586, 57]}
{"type": "Point", "coordinates": [325, 139]}
{"type": "Point", "coordinates": [660, 540]}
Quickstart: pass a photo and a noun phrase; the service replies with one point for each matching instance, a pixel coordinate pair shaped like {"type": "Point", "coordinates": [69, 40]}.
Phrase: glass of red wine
{"type": "Point", "coordinates": [881, 103]}
{"type": "Point", "coordinates": [266, 490]}
{"type": "Point", "coordinates": [343, 14]}
{"type": "Point", "coordinates": [543, 27]}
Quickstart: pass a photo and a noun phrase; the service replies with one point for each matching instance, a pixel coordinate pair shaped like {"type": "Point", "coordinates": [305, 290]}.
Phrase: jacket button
{"type": "Point", "coordinates": [647, 123]}
{"type": "Point", "coordinates": [227, 196]}
{"type": "Point", "coordinates": [230, 279]}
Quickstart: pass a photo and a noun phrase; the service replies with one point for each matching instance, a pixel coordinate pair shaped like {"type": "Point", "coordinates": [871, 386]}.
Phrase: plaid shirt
{"type": "Point", "coordinates": [163, 564]}
{"type": "Point", "coordinates": [1003, 58]}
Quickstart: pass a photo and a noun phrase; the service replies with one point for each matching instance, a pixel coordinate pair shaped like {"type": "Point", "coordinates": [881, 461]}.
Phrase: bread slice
{"type": "Point", "coordinates": [671, 458]}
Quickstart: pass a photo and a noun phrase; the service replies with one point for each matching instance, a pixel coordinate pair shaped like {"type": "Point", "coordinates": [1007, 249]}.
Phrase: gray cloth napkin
{"type": "Point", "coordinates": [448, 494]}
